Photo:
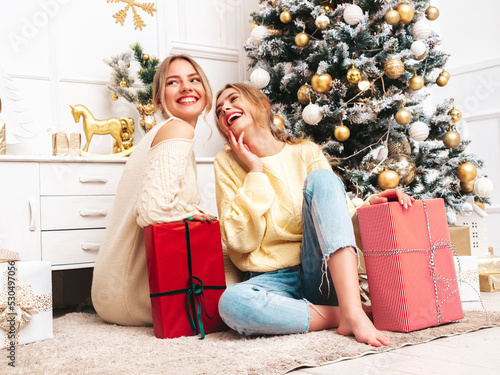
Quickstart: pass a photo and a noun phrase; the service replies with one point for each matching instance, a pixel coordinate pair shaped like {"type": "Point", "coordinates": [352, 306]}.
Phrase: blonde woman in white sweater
{"type": "Point", "coordinates": [158, 185]}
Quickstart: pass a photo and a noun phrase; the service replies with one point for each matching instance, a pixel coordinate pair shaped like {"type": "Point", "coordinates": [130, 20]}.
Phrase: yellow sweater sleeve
{"type": "Point", "coordinates": [242, 201]}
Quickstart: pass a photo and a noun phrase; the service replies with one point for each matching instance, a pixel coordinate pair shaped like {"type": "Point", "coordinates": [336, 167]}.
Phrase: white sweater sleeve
{"type": "Point", "coordinates": [169, 191]}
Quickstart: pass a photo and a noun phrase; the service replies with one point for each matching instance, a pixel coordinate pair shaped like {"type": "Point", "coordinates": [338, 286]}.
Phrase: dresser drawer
{"type": "Point", "coordinates": [71, 246]}
{"type": "Point", "coordinates": [73, 212]}
{"type": "Point", "coordinates": [79, 178]}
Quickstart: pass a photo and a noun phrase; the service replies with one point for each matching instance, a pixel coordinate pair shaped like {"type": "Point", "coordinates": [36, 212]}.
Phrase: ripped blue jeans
{"type": "Point", "coordinates": [278, 302]}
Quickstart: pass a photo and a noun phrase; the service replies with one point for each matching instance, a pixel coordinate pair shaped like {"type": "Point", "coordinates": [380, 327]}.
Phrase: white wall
{"type": "Point", "coordinates": [470, 33]}
{"type": "Point", "coordinates": [51, 54]}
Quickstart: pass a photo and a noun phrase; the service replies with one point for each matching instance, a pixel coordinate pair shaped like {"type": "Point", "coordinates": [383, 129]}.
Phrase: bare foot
{"type": "Point", "coordinates": [360, 325]}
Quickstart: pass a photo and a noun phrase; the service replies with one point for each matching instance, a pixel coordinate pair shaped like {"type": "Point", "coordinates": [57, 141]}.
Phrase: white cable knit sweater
{"type": "Point", "coordinates": [157, 185]}
{"type": "Point", "coordinates": [169, 190]}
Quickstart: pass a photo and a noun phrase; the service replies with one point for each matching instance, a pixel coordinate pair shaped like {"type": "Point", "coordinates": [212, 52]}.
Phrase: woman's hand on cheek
{"type": "Point", "coordinates": [251, 160]}
{"type": "Point", "coordinates": [392, 195]}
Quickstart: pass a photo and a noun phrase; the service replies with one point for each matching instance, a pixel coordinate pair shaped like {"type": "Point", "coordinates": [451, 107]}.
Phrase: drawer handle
{"type": "Point", "coordinates": [90, 246]}
{"type": "Point", "coordinates": [89, 212]}
{"type": "Point", "coordinates": [101, 179]}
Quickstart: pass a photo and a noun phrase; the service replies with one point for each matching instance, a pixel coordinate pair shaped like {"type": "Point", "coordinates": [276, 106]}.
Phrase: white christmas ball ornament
{"type": "Point", "coordinates": [421, 29]}
{"type": "Point", "coordinates": [357, 202]}
{"type": "Point", "coordinates": [418, 48]}
{"type": "Point", "coordinates": [419, 131]}
{"type": "Point", "coordinates": [322, 22]}
{"type": "Point", "coordinates": [483, 187]}
{"type": "Point", "coordinates": [312, 114]}
{"type": "Point", "coordinates": [353, 14]}
{"type": "Point", "coordinates": [258, 34]}
{"type": "Point", "coordinates": [260, 78]}
{"type": "Point", "coordinates": [382, 153]}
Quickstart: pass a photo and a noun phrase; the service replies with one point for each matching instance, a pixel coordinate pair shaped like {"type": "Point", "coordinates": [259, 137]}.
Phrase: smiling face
{"type": "Point", "coordinates": [184, 93]}
{"type": "Point", "coordinates": [232, 111]}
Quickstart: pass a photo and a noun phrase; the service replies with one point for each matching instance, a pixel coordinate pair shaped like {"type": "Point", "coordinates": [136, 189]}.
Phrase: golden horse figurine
{"type": "Point", "coordinates": [111, 126]}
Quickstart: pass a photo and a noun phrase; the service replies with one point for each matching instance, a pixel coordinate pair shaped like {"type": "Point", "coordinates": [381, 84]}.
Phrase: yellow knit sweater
{"type": "Point", "coordinates": [261, 213]}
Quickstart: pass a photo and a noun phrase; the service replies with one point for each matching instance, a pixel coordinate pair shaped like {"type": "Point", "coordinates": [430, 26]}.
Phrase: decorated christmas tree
{"type": "Point", "coordinates": [354, 77]}
{"type": "Point", "coordinates": [122, 81]}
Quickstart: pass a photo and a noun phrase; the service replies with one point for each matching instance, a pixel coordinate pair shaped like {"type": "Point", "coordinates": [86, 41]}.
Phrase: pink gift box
{"type": "Point", "coordinates": [409, 265]}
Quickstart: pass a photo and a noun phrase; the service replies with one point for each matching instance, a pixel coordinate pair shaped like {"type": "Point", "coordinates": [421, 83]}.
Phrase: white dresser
{"type": "Point", "coordinates": [56, 208]}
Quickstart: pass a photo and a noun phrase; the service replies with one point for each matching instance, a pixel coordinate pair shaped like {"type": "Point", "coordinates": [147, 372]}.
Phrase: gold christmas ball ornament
{"type": "Point", "coordinates": [342, 133]}
{"type": "Point", "coordinates": [114, 97]}
{"type": "Point", "coordinates": [480, 205]}
{"type": "Point", "coordinates": [252, 26]}
{"type": "Point", "coordinates": [388, 179]}
{"type": "Point", "coordinates": [432, 13]}
{"type": "Point", "coordinates": [392, 17]}
{"type": "Point", "coordinates": [445, 74]}
{"type": "Point", "coordinates": [406, 13]}
{"type": "Point", "coordinates": [301, 39]}
{"type": "Point", "coordinates": [455, 114]}
{"type": "Point", "coordinates": [405, 168]}
{"type": "Point", "coordinates": [274, 31]}
{"type": "Point", "coordinates": [145, 56]}
{"type": "Point", "coordinates": [467, 187]}
{"type": "Point", "coordinates": [322, 22]}
{"type": "Point", "coordinates": [416, 82]}
{"type": "Point", "coordinates": [285, 16]}
{"type": "Point", "coordinates": [403, 116]}
{"type": "Point", "coordinates": [441, 80]}
{"type": "Point", "coordinates": [354, 75]}
{"type": "Point", "coordinates": [328, 8]}
{"type": "Point", "coordinates": [304, 94]}
{"type": "Point", "coordinates": [398, 146]}
{"type": "Point", "coordinates": [466, 172]}
{"type": "Point", "coordinates": [451, 139]}
{"type": "Point", "coordinates": [394, 68]}
{"type": "Point", "coordinates": [279, 121]}
{"type": "Point", "coordinates": [123, 83]}
{"type": "Point", "coordinates": [321, 82]}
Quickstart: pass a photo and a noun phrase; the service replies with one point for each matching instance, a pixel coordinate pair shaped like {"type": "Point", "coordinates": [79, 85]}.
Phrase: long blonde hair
{"type": "Point", "coordinates": [160, 79]}
{"type": "Point", "coordinates": [260, 111]}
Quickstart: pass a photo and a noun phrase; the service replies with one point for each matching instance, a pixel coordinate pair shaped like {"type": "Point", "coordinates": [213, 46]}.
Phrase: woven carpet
{"type": "Point", "coordinates": [84, 344]}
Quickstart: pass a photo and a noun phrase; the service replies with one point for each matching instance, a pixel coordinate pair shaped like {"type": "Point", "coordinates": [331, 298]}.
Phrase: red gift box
{"type": "Point", "coordinates": [186, 278]}
{"type": "Point", "coordinates": [409, 265]}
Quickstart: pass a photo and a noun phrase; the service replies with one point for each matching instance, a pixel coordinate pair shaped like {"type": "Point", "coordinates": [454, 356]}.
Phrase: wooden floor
{"type": "Point", "coordinates": [472, 353]}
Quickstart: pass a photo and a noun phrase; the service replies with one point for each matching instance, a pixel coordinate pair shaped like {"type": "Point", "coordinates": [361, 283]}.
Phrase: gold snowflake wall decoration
{"type": "Point", "coordinates": [131, 4]}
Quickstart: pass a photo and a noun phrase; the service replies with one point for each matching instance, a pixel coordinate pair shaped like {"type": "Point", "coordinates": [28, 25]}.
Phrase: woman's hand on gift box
{"type": "Point", "coordinates": [392, 195]}
{"type": "Point", "coordinates": [202, 218]}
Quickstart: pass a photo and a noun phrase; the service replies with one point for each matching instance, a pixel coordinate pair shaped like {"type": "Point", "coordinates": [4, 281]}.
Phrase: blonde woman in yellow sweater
{"type": "Point", "coordinates": [286, 221]}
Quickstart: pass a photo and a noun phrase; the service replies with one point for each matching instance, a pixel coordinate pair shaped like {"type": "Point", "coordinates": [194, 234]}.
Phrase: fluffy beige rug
{"type": "Point", "coordinates": [84, 344]}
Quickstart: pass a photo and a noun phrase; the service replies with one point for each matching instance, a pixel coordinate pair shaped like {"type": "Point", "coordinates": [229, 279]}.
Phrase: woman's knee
{"type": "Point", "coordinates": [323, 179]}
